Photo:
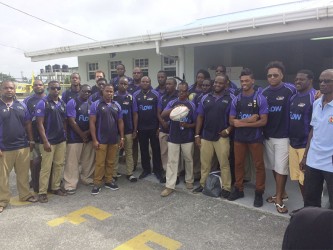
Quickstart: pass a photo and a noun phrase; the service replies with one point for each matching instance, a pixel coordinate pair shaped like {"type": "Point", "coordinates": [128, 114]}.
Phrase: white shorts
{"type": "Point", "coordinates": [276, 155]}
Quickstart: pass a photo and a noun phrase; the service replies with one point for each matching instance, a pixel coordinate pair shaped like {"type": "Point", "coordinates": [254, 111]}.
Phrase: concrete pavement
{"type": "Point", "coordinates": [136, 217]}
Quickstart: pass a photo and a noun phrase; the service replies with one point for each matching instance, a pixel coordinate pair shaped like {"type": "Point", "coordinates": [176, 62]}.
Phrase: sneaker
{"type": "Point", "coordinates": [131, 178]}
{"type": "Point", "coordinates": [58, 192]}
{"type": "Point", "coordinates": [258, 201]}
{"type": "Point", "coordinates": [235, 194]}
{"type": "Point", "coordinates": [95, 190]}
{"type": "Point", "coordinates": [42, 198]}
{"type": "Point", "coordinates": [118, 175]}
{"type": "Point", "coordinates": [112, 186]}
{"type": "Point", "coordinates": [71, 191]}
{"type": "Point", "coordinates": [197, 190]}
{"type": "Point", "coordinates": [166, 192]}
{"type": "Point", "coordinates": [225, 194]}
{"type": "Point", "coordinates": [189, 185]}
{"type": "Point", "coordinates": [144, 174]}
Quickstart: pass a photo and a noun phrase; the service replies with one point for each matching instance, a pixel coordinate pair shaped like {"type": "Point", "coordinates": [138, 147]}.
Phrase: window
{"type": "Point", "coordinates": [113, 68]}
{"type": "Point", "coordinates": [169, 66]}
{"type": "Point", "coordinates": [143, 64]}
{"type": "Point", "coordinates": [92, 67]}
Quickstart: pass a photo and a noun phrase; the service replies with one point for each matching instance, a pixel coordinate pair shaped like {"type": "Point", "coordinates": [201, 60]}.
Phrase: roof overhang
{"type": "Point", "coordinates": [292, 23]}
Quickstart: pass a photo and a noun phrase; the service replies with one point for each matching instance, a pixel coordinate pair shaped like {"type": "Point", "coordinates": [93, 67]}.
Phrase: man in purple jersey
{"type": "Point", "coordinates": [125, 100]}
{"type": "Point", "coordinates": [146, 125]}
{"type": "Point", "coordinates": [35, 155]}
{"type": "Point", "coordinates": [106, 125]}
{"type": "Point", "coordinates": [80, 155]}
{"type": "Point", "coordinates": [161, 79]}
{"type": "Point", "coordinates": [299, 128]}
{"type": "Point", "coordinates": [15, 128]}
{"type": "Point", "coordinates": [74, 89]}
{"type": "Point", "coordinates": [212, 133]}
{"type": "Point", "coordinates": [171, 94]}
{"type": "Point", "coordinates": [101, 82]}
{"type": "Point", "coordinates": [51, 124]}
{"type": "Point", "coordinates": [276, 141]}
{"type": "Point", "coordinates": [248, 115]}
{"type": "Point", "coordinates": [120, 73]}
{"type": "Point", "coordinates": [180, 140]}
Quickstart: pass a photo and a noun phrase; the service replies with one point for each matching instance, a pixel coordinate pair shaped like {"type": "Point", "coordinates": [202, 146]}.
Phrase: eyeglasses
{"type": "Point", "coordinates": [55, 88]}
{"type": "Point", "coordinates": [273, 75]}
{"type": "Point", "coordinates": [326, 81]}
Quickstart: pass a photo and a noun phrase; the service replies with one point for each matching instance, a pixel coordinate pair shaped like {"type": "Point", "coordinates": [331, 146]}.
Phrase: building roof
{"type": "Point", "coordinates": [290, 17]}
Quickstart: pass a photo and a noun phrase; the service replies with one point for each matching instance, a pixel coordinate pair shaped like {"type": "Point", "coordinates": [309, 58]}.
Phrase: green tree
{"type": "Point", "coordinates": [4, 77]}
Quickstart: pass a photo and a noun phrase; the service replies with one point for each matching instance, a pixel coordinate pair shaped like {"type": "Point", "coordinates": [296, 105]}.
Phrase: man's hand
{"type": "Point", "coordinates": [96, 145]}
{"type": "Point", "coordinates": [1, 153]}
{"type": "Point", "coordinates": [302, 164]}
{"type": "Point", "coordinates": [165, 125]}
{"type": "Point", "coordinates": [121, 143]}
{"type": "Point", "coordinates": [198, 141]}
{"type": "Point", "coordinates": [134, 134]}
{"type": "Point", "coordinates": [47, 147]}
{"type": "Point", "coordinates": [224, 133]}
{"type": "Point", "coordinates": [32, 145]}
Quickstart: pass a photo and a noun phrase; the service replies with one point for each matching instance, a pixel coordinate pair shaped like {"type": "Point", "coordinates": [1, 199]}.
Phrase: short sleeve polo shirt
{"type": "Point", "coordinates": [126, 103]}
{"type": "Point", "coordinates": [107, 116]}
{"type": "Point", "coordinates": [13, 135]}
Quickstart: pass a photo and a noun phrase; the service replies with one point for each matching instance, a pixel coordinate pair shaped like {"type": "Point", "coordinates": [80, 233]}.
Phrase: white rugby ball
{"type": "Point", "coordinates": [179, 113]}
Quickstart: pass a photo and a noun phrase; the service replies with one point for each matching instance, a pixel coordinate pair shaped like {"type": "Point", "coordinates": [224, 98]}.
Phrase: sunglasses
{"type": "Point", "coordinates": [326, 81]}
{"type": "Point", "coordinates": [273, 75]}
{"type": "Point", "coordinates": [55, 88]}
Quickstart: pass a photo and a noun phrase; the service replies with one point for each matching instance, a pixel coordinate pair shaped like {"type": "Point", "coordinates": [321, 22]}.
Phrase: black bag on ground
{"type": "Point", "coordinates": [213, 186]}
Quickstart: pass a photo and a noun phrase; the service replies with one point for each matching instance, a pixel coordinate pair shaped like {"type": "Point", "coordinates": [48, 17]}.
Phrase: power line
{"type": "Point", "coordinates": [40, 19]}
{"type": "Point", "coordinates": [12, 47]}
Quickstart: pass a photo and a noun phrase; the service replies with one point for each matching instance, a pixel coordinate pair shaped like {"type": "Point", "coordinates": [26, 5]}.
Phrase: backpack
{"type": "Point", "coordinates": [213, 186]}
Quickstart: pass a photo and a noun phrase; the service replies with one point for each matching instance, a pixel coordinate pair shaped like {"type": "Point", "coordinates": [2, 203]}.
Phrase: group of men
{"type": "Point", "coordinates": [88, 126]}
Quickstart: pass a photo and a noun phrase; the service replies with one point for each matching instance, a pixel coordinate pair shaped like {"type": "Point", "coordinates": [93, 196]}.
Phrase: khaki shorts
{"type": "Point", "coordinates": [276, 155]}
{"type": "Point", "coordinates": [295, 157]}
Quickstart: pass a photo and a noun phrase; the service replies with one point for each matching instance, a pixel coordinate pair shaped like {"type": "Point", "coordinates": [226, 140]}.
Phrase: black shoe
{"type": "Point", "coordinates": [225, 194]}
{"type": "Point", "coordinates": [235, 194]}
{"type": "Point", "coordinates": [177, 181]}
{"type": "Point", "coordinates": [258, 201]}
{"type": "Point", "coordinates": [95, 190]}
{"type": "Point", "coordinates": [113, 186]}
{"type": "Point", "coordinates": [144, 174]}
{"type": "Point", "coordinates": [131, 178]}
{"type": "Point", "coordinates": [197, 190]}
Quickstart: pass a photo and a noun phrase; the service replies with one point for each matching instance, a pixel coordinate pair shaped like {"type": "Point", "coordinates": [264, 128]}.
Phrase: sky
{"type": "Point", "coordinates": [99, 19]}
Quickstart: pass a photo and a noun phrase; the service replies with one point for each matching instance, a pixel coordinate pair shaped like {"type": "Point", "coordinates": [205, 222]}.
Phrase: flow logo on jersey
{"type": "Point", "coordinates": [296, 117]}
{"type": "Point", "coordinates": [83, 118]}
{"type": "Point", "coordinates": [125, 111]}
{"type": "Point", "coordinates": [146, 107]}
{"type": "Point", "coordinates": [244, 116]}
{"type": "Point", "coordinates": [275, 109]}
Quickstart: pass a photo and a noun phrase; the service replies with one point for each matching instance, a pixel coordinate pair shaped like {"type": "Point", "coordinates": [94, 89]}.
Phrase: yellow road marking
{"type": "Point", "coordinates": [15, 201]}
{"type": "Point", "coordinates": [76, 216]}
{"type": "Point", "coordinates": [139, 242]}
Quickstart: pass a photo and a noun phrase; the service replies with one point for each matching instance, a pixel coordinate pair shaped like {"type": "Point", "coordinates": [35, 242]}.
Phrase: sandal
{"type": "Point", "coordinates": [272, 199]}
{"type": "Point", "coordinates": [282, 209]}
{"type": "Point", "coordinates": [32, 199]}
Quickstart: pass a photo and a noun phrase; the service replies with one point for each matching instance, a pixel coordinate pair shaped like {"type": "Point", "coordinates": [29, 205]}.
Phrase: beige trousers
{"type": "Point", "coordinates": [173, 161]}
{"type": "Point", "coordinates": [80, 157]}
{"type": "Point", "coordinates": [51, 160]}
{"type": "Point", "coordinates": [19, 160]}
{"type": "Point", "coordinates": [222, 149]}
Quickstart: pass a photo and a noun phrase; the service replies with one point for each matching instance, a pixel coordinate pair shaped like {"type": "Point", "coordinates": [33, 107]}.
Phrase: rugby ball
{"type": "Point", "coordinates": [179, 113]}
